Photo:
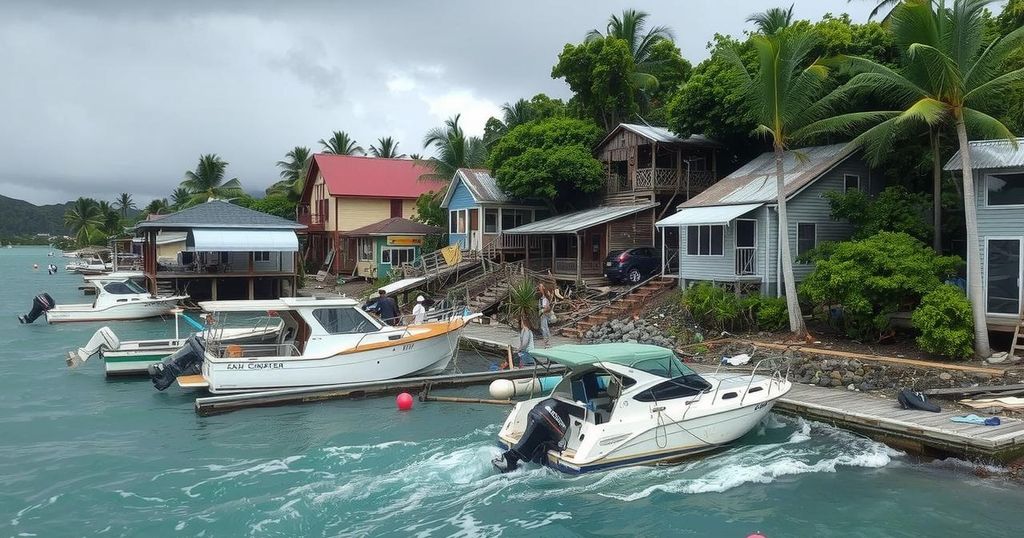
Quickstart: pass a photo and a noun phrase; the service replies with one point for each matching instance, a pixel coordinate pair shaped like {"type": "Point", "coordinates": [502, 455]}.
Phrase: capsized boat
{"type": "Point", "coordinates": [117, 298]}
{"type": "Point", "coordinates": [631, 404]}
{"type": "Point", "coordinates": [324, 341]}
{"type": "Point", "coordinates": [134, 357]}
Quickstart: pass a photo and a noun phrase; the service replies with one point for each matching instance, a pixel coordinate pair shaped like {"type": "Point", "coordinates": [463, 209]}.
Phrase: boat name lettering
{"type": "Point", "coordinates": [255, 365]}
{"type": "Point", "coordinates": [761, 405]}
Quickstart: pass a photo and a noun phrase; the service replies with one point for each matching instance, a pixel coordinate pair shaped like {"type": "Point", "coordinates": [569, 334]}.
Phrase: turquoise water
{"type": "Point", "coordinates": [82, 456]}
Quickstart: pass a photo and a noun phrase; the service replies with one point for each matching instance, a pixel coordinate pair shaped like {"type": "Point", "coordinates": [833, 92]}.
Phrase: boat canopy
{"type": "Point", "coordinates": [576, 355]}
{"type": "Point", "coordinates": [284, 303]}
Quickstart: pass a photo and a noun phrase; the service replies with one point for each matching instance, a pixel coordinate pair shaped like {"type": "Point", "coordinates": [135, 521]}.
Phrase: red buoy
{"type": "Point", "coordinates": [404, 401]}
{"type": "Point", "coordinates": [757, 535]}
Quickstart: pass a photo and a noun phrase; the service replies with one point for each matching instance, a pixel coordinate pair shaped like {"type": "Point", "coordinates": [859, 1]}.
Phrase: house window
{"type": "Point", "coordinates": [746, 233]}
{"type": "Point", "coordinates": [365, 250]}
{"type": "Point", "coordinates": [261, 256]}
{"type": "Point", "coordinates": [396, 208]}
{"type": "Point", "coordinates": [397, 256]}
{"type": "Point", "coordinates": [1005, 189]}
{"type": "Point", "coordinates": [806, 237]}
{"type": "Point", "coordinates": [705, 240]}
{"type": "Point", "coordinates": [490, 221]}
{"type": "Point", "coordinates": [457, 221]}
{"type": "Point", "coordinates": [511, 218]}
{"type": "Point", "coordinates": [851, 182]}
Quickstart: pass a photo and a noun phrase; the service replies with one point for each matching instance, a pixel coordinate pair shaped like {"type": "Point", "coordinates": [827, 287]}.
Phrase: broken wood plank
{"type": "Point", "coordinates": [967, 391]}
{"type": "Point", "coordinates": [877, 358]}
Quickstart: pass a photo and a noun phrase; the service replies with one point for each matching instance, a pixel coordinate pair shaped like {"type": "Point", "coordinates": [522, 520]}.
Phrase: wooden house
{"type": "Point", "coordinates": [479, 211]}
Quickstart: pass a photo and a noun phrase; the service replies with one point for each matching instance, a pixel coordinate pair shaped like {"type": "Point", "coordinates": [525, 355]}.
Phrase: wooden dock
{"type": "Point", "coordinates": [496, 337]}
{"type": "Point", "coordinates": [922, 432]}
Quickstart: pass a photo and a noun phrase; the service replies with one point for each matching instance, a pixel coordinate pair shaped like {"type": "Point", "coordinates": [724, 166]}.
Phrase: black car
{"type": "Point", "coordinates": [632, 265]}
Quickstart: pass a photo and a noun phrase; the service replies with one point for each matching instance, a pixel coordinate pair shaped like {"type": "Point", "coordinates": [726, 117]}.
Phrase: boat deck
{"type": "Point", "coordinates": [920, 431]}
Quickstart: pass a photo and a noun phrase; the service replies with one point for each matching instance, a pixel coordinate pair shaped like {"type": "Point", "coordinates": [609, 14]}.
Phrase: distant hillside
{"type": "Point", "coordinates": [18, 217]}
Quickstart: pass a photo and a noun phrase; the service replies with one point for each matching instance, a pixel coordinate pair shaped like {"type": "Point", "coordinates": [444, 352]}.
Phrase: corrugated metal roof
{"type": "Point", "coordinates": [394, 226]}
{"type": "Point", "coordinates": [579, 220]}
{"type": "Point", "coordinates": [662, 136]}
{"type": "Point", "coordinates": [716, 214]}
{"type": "Point", "coordinates": [357, 175]}
{"type": "Point", "coordinates": [991, 154]}
{"type": "Point", "coordinates": [483, 186]}
{"type": "Point", "coordinates": [756, 180]}
{"type": "Point", "coordinates": [219, 214]}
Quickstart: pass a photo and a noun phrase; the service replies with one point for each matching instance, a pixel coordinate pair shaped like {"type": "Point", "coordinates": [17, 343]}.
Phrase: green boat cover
{"type": "Point", "coordinates": [577, 355]}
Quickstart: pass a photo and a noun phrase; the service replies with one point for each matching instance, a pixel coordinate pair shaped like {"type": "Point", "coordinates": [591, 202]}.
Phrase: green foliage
{"type": "Point", "coordinates": [158, 206]}
{"type": "Point", "coordinates": [522, 302]}
{"type": "Point", "coordinates": [429, 210]}
{"type": "Point", "coordinates": [715, 308]}
{"type": "Point", "coordinates": [207, 180]}
{"type": "Point", "coordinates": [895, 209]}
{"type": "Point", "coordinates": [274, 205]}
{"type": "Point", "coordinates": [875, 277]}
{"type": "Point", "coordinates": [293, 174]}
{"type": "Point", "coordinates": [944, 319]}
{"type": "Point", "coordinates": [539, 107]}
{"type": "Point", "coordinates": [772, 314]}
{"type": "Point", "coordinates": [601, 74]}
{"type": "Point", "coordinates": [453, 150]}
{"type": "Point", "coordinates": [340, 143]}
{"type": "Point", "coordinates": [85, 220]}
{"type": "Point", "coordinates": [548, 159]}
{"type": "Point", "coordinates": [386, 148]}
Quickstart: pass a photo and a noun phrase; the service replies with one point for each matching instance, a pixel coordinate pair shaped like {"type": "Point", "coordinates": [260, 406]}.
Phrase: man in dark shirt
{"type": "Point", "coordinates": [387, 308]}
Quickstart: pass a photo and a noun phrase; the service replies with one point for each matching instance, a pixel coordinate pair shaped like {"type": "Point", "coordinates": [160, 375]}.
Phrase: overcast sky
{"type": "Point", "coordinates": [100, 97]}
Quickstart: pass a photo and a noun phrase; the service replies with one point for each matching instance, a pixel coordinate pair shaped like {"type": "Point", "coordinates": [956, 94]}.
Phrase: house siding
{"type": "Point", "coordinates": [358, 212]}
{"type": "Point", "coordinates": [462, 198]}
{"type": "Point", "coordinates": [995, 222]}
{"type": "Point", "coordinates": [712, 267]}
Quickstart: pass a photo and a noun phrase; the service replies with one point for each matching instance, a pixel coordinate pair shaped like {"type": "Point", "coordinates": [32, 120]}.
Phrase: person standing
{"type": "Point", "coordinates": [545, 314]}
{"type": "Point", "coordinates": [525, 344]}
{"type": "Point", "coordinates": [387, 308]}
{"type": "Point", "coordinates": [419, 311]}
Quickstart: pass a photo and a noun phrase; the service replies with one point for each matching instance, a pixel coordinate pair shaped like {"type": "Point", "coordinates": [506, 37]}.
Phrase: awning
{"type": "Point", "coordinates": [716, 214]}
{"type": "Point", "coordinates": [579, 220]}
{"type": "Point", "coordinates": [235, 240]}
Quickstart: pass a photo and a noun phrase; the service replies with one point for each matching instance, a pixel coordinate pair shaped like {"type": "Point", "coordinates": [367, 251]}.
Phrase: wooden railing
{"type": "Point", "coordinates": [662, 179]}
{"type": "Point", "coordinates": [746, 260]}
{"type": "Point", "coordinates": [567, 266]}
{"type": "Point", "coordinates": [312, 222]}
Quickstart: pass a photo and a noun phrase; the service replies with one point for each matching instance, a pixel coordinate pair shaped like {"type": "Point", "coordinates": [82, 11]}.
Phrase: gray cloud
{"type": "Point", "coordinates": [101, 97]}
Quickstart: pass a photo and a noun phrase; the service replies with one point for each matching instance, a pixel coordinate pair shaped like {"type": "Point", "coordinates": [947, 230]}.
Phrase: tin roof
{"type": "Point", "coordinates": [371, 177]}
{"type": "Point", "coordinates": [661, 135]}
{"type": "Point", "coordinates": [219, 214]}
{"type": "Point", "coordinates": [991, 154]}
{"type": "Point", "coordinates": [394, 226]}
{"type": "Point", "coordinates": [579, 220]}
{"type": "Point", "coordinates": [756, 180]}
{"type": "Point", "coordinates": [715, 214]}
{"type": "Point", "coordinates": [482, 185]}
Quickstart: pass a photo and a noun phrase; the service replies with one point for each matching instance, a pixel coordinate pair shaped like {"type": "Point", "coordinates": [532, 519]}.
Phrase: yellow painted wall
{"type": "Point", "coordinates": [170, 250]}
{"type": "Point", "coordinates": [359, 212]}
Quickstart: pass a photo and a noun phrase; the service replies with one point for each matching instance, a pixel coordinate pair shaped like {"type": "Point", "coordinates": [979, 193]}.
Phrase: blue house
{"type": "Point", "coordinates": [478, 212]}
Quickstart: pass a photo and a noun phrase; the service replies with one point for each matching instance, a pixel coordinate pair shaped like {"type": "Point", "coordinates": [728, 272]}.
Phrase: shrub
{"type": "Point", "coordinates": [875, 277]}
{"type": "Point", "coordinates": [711, 306]}
{"type": "Point", "coordinates": [772, 314]}
{"type": "Point", "coordinates": [944, 319]}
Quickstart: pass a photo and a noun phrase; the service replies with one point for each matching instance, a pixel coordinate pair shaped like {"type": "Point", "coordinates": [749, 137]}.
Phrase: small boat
{"type": "Point", "coordinates": [633, 404]}
{"type": "Point", "coordinates": [134, 357]}
{"type": "Point", "coordinates": [90, 266]}
{"type": "Point", "coordinates": [324, 341]}
{"type": "Point", "coordinates": [118, 298]}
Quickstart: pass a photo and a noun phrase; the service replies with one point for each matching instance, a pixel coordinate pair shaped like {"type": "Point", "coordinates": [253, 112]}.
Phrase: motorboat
{"type": "Point", "coordinates": [134, 357]}
{"type": "Point", "coordinates": [88, 266]}
{"type": "Point", "coordinates": [118, 298]}
{"type": "Point", "coordinates": [324, 341]}
{"type": "Point", "coordinates": [632, 404]}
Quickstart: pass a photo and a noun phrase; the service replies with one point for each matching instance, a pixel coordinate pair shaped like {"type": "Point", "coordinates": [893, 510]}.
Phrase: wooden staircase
{"type": "Point", "coordinates": [627, 304]}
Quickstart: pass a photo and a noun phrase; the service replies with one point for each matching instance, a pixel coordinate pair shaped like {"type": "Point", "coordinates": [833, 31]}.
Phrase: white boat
{"type": "Point", "coordinates": [631, 404]}
{"type": "Point", "coordinates": [133, 357]}
{"type": "Point", "coordinates": [90, 266]}
{"type": "Point", "coordinates": [324, 341]}
{"type": "Point", "coordinates": [117, 298]}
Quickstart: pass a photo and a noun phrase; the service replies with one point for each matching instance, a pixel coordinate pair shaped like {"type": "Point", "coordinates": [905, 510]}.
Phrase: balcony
{"type": "Point", "coordinates": [314, 223]}
{"type": "Point", "coordinates": [662, 180]}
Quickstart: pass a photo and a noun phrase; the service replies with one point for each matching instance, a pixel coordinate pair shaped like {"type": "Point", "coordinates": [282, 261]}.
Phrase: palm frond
{"type": "Point", "coordinates": [982, 125]}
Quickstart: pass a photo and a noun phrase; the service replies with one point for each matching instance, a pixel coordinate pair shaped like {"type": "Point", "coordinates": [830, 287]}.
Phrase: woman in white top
{"type": "Point", "coordinates": [419, 312]}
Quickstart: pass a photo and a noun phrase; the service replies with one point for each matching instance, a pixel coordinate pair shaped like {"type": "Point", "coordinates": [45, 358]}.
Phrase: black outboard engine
{"type": "Point", "coordinates": [186, 361]}
{"type": "Point", "coordinates": [41, 303]}
{"type": "Point", "coordinates": [545, 426]}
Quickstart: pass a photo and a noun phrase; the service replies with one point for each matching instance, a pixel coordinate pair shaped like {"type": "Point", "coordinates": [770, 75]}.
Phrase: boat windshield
{"type": "Point", "coordinates": [126, 287]}
{"type": "Point", "coordinates": [669, 368]}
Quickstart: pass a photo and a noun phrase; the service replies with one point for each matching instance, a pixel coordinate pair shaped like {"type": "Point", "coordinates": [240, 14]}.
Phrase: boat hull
{"type": "Point", "coordinates": [135, 357]}
{"type": "Point", "coordinates": [380, 361]}
{"type": "Point", "coordinates": [122, 311]}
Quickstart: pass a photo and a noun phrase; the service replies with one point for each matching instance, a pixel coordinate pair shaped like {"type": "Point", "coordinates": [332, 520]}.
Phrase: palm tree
{"type": "Point", "coordinates": [156, 207]}
{"type": "Point", "coordinates": [124, 203]}
{"type": "Point", "coordinates": [341, 144]}
{"type": "Point", "coordinates": [386, 148]}
{"type": "Point", "coordinates": [630, 28]}
{"type": "Point", "coordinates": [293, 174]}
{"type": "Point", "coordinates": [953, 74]}
{"type": "Point", "coordinates": [517, 113]}
{"type": "Point", "coordinates": [781, 96]}
{"type": "Point", "coordinates": [84, 219]}
{"type": "Point", "coordinates": [454, 149]}
{"type": "Point", "coordinates": [111, 218]}
{"type": "Point", "coordinates": [773, 20]}
{"type": "Point", "coordinates": [207, 180]}
{"type": "Point", "coordinates": [180, 197]}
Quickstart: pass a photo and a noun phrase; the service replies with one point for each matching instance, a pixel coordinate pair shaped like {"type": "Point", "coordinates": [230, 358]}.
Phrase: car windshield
{"type": "Point", "coordinates": [667, 367]}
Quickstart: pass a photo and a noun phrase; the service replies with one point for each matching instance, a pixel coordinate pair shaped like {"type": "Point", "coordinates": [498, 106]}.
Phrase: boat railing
{"type": "Point", "coordinates": [250, 351]}
{"type": "Point", "coordinates": [406, 321]}
{"type": "Point", "coordinates": [774, 363]}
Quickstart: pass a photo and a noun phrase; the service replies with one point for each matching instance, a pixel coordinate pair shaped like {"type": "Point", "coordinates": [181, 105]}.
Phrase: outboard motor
{"type": "Point", "coordinates": [186, 361]}
{"type": "Point", "coordinates": [41, 303]}
{"type": "Point", "coordinates": [545, 426]}
{"type": "Point", "coordinates": [103, 340]}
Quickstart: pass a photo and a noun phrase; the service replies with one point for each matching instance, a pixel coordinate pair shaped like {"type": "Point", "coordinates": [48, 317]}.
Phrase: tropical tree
{"type": "Point", "coordinates": [207, 180]}
{"type": "Point", "coordinates": [157, 206]}
{"type": "Point", "coordinates": [781, 97]}
{"type": "Point", "coordinates": [772, 20]}
{"type": "Point", "coordinates": [293, 174]}
{"type": "Point", "coordinates": [111, 218]}
{"type": "Point", "coordinates": [954, 75]}
{"type": "Point", "coordinates": [630, 28]}
{"type": "Point", "coordinates": [386, 148]}
{"type": "Point", "coordinates": [341, 144]}
{"type": "Point", "coordinates": [84, 220]}
{"type": "Point", "coordinates": [124, 203]}
{"type": "Point", "coordinates": [180, 197]}
{"type": "Point", "coordinates": [453, 150]}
